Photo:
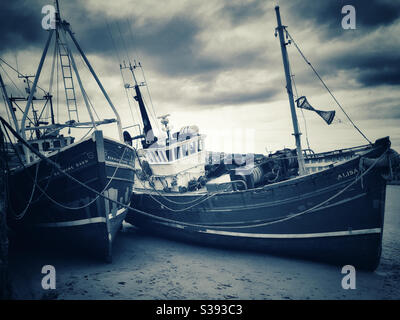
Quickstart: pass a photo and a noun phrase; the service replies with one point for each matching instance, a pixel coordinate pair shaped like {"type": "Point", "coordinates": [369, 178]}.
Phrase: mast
{"type": "Point", "coordinates": [147, 128]}
{"type": "Point", "coordinates": [289, 89]}
{"type": "Point", "coordinates": [9, 104]}
{"type": "Point", "coordinates": [118, 118]}
{"type": "Point", "coordinates": [33, 89]}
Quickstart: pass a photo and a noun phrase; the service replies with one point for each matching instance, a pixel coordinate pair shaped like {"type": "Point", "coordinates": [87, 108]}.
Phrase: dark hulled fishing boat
{"type": "Point", "coordinates": [328, 206]}
{"type": "Point", "coordinates": [333, 215]}
{"type": "Point", "coordinates": [50, 175]}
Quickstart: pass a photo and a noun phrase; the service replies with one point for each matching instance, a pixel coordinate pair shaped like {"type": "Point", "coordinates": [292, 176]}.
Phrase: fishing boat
{"type": "Point", "coordinates": [72, 191]}
{"type": "Point", "coordinates": [321, 206]}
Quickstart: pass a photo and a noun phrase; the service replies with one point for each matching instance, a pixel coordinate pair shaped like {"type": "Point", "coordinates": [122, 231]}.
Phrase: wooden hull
{"type": "Point", "coordinates": [282, 218]}
{"type": "Point", "coordinates": [65, 210]}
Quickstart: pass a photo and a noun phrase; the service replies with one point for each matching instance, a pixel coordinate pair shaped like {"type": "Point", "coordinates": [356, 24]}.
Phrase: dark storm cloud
{"type": "Point", "coordinates": [173, 46]}
{"type": "Point", "coordinates": [20, 25]}
{"type": "Point", "coordinates": [368, 68]}
{"type": "Point", "coordinates": [371, 69]}
{"type": "Point", "coordinates": [368, 64]}
{"type": "Point", "coordinates": [326, 15]}
{"type": "Point", "coordinates": [238, 98]}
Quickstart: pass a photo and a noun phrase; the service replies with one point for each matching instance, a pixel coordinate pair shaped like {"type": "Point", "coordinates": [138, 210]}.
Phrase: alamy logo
{"type": "Point", "coordinates": [49, 20]}
{"type": "Point", "coordinates": [49, 280]}
{"type": "Point", "coordinates": [349, 20]}
{"type": "Point", "coordinates": [349, 280]}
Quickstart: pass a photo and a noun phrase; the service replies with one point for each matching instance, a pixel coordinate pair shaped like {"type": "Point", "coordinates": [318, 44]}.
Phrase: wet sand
{"type": "Point", "coordinates": [146, 267]}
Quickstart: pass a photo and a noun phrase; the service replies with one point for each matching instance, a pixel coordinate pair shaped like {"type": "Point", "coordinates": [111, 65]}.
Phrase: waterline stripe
{"type": "Point", "coordinates": [294, 236]}
{"type": "Point", "coordinates": [72, 223]}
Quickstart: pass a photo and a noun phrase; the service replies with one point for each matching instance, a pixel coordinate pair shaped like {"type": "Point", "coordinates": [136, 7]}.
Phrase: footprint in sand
{"type": "Point", "coordinates": [227, 296]}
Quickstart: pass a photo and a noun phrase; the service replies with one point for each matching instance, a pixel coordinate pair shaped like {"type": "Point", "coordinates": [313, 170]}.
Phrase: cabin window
{"type": "Point", "coordinates": [46, 146]}
{"type": "Point", "coordinates": [192, 147]}
{"type": "Point", "coordinates": [163, 156]}
{"type": "Point", "coordinates": [57, 144]}
{"type": "Point", "coordinates": [185, 150]}
{"type": "Point", "coordinates": [179, 153]}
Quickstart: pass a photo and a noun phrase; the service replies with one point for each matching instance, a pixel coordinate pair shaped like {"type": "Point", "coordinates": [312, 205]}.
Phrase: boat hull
{"type": "Point", "coordinates": [61, 209]}
{"type": "Point", "coordinates": [324, 216]}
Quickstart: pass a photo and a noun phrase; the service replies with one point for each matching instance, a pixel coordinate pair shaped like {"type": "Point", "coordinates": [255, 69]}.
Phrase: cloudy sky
{"type": "Point", "coordinates": [217, 64]}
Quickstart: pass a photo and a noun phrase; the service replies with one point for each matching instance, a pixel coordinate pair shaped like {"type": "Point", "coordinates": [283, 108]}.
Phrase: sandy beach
{"type": "Point", "coordinates": [146, 267]}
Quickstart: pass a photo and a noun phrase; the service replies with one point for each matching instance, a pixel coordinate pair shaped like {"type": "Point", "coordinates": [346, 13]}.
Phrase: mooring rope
{"type": "Point", "coordinates": [20, 215]}
{"type": "Point", "coordinates": [357, 178]}
{"type": "Point", "coordinates": [68, 207]}
{"type": "Point", "coordinates": [54, 165]}
{"type": "Point", "coordinates": [200, 200]}
{"type": "Point", "coordinates": [91, 201]}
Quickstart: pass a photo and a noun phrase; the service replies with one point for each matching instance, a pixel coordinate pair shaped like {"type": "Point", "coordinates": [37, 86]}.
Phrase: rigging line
{"type": "Point", "coordinates": [16, 58]}
{"type": "Point", "coordinates": [126, 89]}
{"type": "Point", "coordinates": [19, 73]}
{"type": "Point", "coordinates": [86, 134]}
{"type": "Point", "coordinates": [127, 96]}
{"type": "Point", "coordinates": [84, 91]}
{"type": "Point", "coordinates": [154, 115]}
{"type": "Point", "coordinates": [151, 100]}
{"type": "Point", "coordinates": [6, 107]}
{"type": "Point", "coordinates": [137, 115]}
{"type": "Point", "coordinates": [51, 78]}
{"type": "Point", "coordinates": [52, 66]}
{"type": "Point", "coordinates": [297, 96]}
{"type": "Point", "coordinates": [305, 127]}
{"type": "Point", "coordinates": [57, 80]}
{"type": "Point", "coordinates": [20, 215]}
{"type": "Point", "coordinates": [326, 87]}
{"type": "Point", "coordinates": [27, 117]}
{"type": "Point", "coordinates": [91, 105]}
{"type": "Point", "coordinates": [119, 61]}
{"type": "Point", "coordinates": [18, 89]}
{"type": "Point", "coordinates": [48, 181]}
{"type": "Point", "coordinates": [100, 194]}
{"type": "Point", "coordinates": [129, 22]}
{"type": "Point", "coordinates": [302, 112]}
{"type": "Point", "coordinates": [123, 42]}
